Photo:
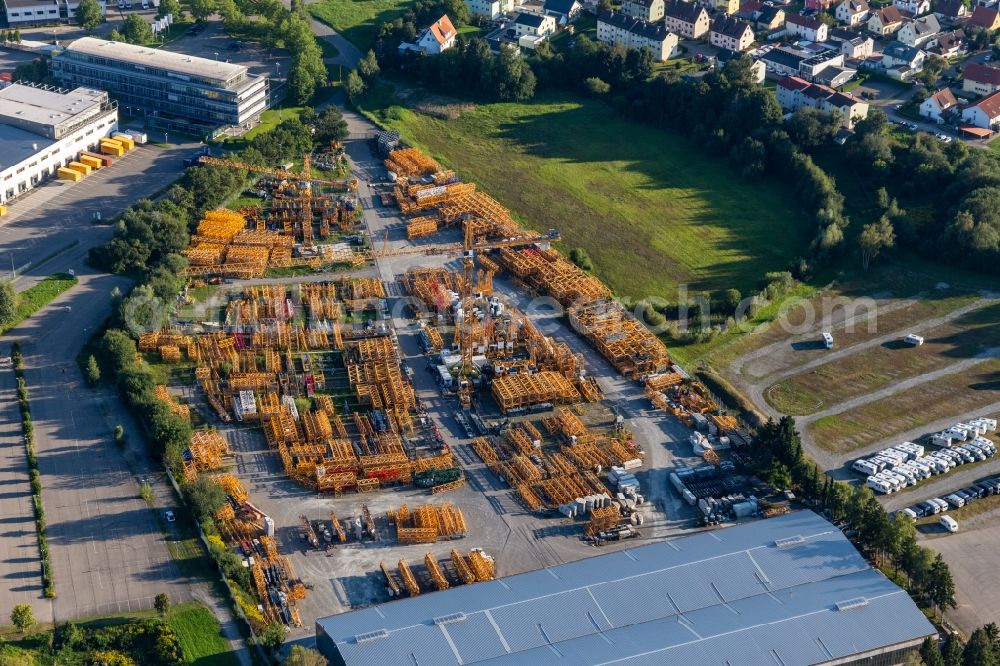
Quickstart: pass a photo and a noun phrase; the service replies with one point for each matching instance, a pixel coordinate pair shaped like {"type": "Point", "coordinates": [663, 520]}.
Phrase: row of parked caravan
{"type": "Point", "coordinates": [961, 432]}
{"type": "Point", "coordinates": [956, 500]}
{"type": "Point", "coordinates": [905, 465]}
{"type": "Point", "coordinates": [110, 148]}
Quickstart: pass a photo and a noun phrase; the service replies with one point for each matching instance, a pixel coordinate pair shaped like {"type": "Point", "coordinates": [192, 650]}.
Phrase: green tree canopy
{"type": "Point", "coordinates": [8, 303]}
{"type": "Point", "coordinates": [89, 14]}
{"type": "Point", "coordinates": [136, 30]}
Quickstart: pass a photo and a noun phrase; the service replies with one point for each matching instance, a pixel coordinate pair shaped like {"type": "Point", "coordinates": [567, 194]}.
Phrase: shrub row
{"type": "Point", "coordinates": [48, 583]}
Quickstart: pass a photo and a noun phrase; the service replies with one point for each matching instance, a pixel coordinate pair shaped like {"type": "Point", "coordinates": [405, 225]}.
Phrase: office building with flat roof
{"type": "Point", "coordinates": [175, 91]}
{"type": "Point", "coordinates": [44, 128]}
{"type": "Point", "coordinates": [790, 590]}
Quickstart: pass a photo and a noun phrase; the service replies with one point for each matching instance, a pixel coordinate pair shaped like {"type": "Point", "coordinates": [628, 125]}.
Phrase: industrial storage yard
{"type": "Point", "coordinates": [388, 467]}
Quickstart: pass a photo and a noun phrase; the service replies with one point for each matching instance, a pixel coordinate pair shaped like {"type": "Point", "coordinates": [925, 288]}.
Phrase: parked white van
{"type": "Point", "coordinates": [948, 523]}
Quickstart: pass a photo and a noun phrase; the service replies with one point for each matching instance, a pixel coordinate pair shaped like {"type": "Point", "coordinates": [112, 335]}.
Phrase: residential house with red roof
{"type": "Point", "coordinates": [987, 18]}
{"type": "Point", "coordinates": [938, 106]}
{"type": "Point", "coordinates": [980, 79]}
{"type": "Point", "coordinates": [437, 37]}
{"type": "Point", "coordinates": [985, 113]}
{"type": "Point", "coordinates": [885, 21]}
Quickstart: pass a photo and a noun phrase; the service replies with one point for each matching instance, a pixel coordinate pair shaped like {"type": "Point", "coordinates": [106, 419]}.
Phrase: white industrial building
{"type": "Point", "coordinates": [21, 13]}
{"type": "Point", "coordinates": [44, 128]}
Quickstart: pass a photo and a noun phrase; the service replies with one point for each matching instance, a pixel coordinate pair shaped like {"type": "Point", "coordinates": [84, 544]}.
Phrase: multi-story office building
{"type": "Point", "coordinates": [43, 128]}
{"type": "Point", "coordinates": [174, 91]}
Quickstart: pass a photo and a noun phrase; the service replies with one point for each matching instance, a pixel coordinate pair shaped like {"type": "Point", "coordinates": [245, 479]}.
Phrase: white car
{"type": "Point", "coordinates": [169, 515]}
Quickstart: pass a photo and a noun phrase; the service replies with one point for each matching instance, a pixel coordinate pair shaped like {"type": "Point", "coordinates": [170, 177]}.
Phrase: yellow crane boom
{"type": "Point", "coordinates": [347, 183]}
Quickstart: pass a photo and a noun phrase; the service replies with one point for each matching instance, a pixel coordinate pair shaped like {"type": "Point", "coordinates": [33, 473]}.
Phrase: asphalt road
{"type": "Point", "coordinates": [107, 552]}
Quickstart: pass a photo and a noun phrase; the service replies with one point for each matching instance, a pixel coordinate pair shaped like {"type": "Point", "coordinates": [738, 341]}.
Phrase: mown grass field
{"type": "Point", "coordinates": [200, 636]}
{"type": "Point", "coordinates": [912, 408]}
{"type": "Point", "coordinates": [649, 207]}
{"type": "Point", "coordinates": [876, 367]}
{"type": "Point", "coordinates": [357, 20]}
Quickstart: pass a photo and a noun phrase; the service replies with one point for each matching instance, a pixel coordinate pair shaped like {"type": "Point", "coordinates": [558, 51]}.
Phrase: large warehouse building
{"type": "Point", "coordinates": [175, 91]}
{"type": "Point", "coordinates": [43, 128]}
{"type": "Point", "coordinates": [790, 590]}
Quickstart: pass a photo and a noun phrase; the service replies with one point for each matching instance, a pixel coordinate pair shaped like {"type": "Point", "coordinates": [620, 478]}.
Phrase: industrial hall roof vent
{"type": "Point", "coordinates": [449, 619]}
{"type": "Point", "coordinates": [789, 542]}
{"type": "Point", "coordinates": [858, 602]}
{"type": "Point", "coordinates": [371, 636]}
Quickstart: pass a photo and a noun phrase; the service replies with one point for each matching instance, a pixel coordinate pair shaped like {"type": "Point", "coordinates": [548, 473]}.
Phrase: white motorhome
{"type": "Point", "coordinates": [913, 339]}
{"type": "Point", "coordinates": [865, 467]}
{"type": "Point", "coordinates": [828, 340]}
{"type": "Point", "coordinates": [879, 485]}
{"type": "Point", "coordinates": [948, 523]}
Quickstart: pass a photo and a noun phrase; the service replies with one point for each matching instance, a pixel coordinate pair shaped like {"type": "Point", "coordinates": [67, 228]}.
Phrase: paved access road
{"type": "Point", "coordinates": [106, 550]}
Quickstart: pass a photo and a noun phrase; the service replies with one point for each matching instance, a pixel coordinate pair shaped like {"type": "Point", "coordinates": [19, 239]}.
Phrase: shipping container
{"type": "Point", "coordinates": [69, 174]}
{"type": "Point", "coordinates": [127, 141]}
{"type": "Point", "coordinates": [81, 167]}
{"type": "Point", "coordinates": [105, 160]}
{"type": "Point", "coordinates": [92, 162]}
{"type": "Point", "coordinates": [112, 149]}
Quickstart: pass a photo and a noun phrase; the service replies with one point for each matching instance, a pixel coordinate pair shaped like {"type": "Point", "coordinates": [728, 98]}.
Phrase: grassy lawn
{"type": "Point", "coordinates": [875, 368]}
{"type": "Point", "coordinates": [650, 208]}
{"type": "Point", "coordinates": [268, 121]}
{"type": "Point", "coordinates": [909, 409]}
{"type": "Point", "coordinates": [34, 299]}
{"type": "Point", "coordinates": [995, 145]}
{"type": "Point", "coordinates": [357, 20]}
{"type": "Point", "coordinates": [200, 636]}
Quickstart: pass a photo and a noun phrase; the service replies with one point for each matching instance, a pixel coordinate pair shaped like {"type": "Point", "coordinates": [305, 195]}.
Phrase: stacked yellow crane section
{"type": "Point", "coordinates": [435, 572]}
{"type": "Point", "coordinates": [412, 199]}
{"type": "Point", "coordinates": [223, 246]}
{"type": "Point", "coordinates": [255, 371]}
{"type": "Point", "coordinates": [422, 226]}
{"type": "Point", "coordinates": [627, 344]}
{"type": "Point", "coordinates": [410, 163]}
{"type": "Point", "coordinates": [276, 587]}
{"type": "Point", "coordinates": [523, 390]}
{"type": "Point", "coordinates": [206, 449]}
{"type": "Point", "coordinates": [427, 523]}
{"type": "Point", "coordinates": [176, 408]}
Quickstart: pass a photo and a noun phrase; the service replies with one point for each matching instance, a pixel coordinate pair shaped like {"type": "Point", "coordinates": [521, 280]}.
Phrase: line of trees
{"type": "Point", "coordinates": [779, 457]}
{"type": "Point", "coordinates": [28, 429]}
{"type": "Point", "coordinates": [982, 649]}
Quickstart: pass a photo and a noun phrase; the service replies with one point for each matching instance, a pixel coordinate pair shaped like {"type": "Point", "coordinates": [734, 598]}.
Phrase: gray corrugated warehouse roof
{"type": "Point", "coordinates": [727, 596]}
